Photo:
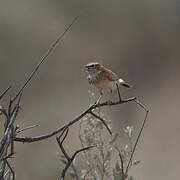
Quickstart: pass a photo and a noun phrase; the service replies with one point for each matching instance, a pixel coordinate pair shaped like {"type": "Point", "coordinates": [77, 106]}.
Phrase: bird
{"type": "Point", "coordinates": [103, 79]}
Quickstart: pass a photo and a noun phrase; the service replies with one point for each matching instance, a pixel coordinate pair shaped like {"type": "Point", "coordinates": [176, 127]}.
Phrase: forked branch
{"type": "Point", "coordinates": [68, 158]}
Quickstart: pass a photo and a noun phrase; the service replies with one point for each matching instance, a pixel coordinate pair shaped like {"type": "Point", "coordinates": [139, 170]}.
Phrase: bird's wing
{"type": "Point", "coordinates": [111, 76]}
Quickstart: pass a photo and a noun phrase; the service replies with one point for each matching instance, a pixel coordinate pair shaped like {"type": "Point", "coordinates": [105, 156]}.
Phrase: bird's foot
{"type": "Point", "coordinates": [109, 102]}
{"type": "Point", "coordinates": [97, 103]}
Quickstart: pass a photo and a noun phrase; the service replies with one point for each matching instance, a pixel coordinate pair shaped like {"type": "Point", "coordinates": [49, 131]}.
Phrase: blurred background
{"type": "Point", "coordinates": [139, 40]}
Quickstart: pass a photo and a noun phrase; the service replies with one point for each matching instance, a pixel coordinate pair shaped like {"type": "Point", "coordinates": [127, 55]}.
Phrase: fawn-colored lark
{"type": "Point", "coordinates": [103, 78]}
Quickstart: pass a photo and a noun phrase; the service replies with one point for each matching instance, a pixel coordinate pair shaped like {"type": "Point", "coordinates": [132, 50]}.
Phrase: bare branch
{"type": "Point", "coordinates": [4, 92]}
{"type": "Point", "coordinates": [52, 47]}
{"type": "Point", "coordinates": [122, 163]}
{"type": "Point", "coordinates": [139, 135]}
{"type": "Point", "coordinates": [9, 156]}
{"type": "Point", "coordinates": [27, 128]}
{"type": "Point", "coordinates": [71, 160]}
{"type": "Point", "coordinates": [103, 121]}
{"type": "Point", "coordinates": [61, 143]}
{"type": "Point", "coordinates": [12, 140]}
{"type": "Point", "coordinates": [7, 174]}
{"type": "Point", "coordinates": [10, 168]}
{"type": "Point", "coordinates": [88, 110]}
{"type": "Point", "coordinates": [5, 141]}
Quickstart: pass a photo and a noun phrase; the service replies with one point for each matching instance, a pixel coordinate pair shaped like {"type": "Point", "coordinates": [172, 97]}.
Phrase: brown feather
{"type": "Point", "coordinates": [111, 76]}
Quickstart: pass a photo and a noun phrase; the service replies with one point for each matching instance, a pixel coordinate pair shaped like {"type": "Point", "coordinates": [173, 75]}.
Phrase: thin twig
{"type": "Point", "coordinates": [2, 170]}
{"type": "Point", "coordinates": [17, 106]}
{"type": "Point", "coordinates": [122, 162]}
{"type": "Point", "coordinates": [71, 160]}
{"type": "Point", "coordinates": [12, 139]}
{"type": "Point", "coordinates": [6, 139]}
{"type": "Point", "coordinates": [27, 128]}
{"type": "Point", "coordinates": [52, 47]}
{"type": "Point", "coordinates": [4, 92]}
{"type": "Point", "coordinates": [8, 156]}
{"type": "Point", "coordinates": [61, 143]}
{"type": "Point", "coordinates": [10, 168]}
{"type": "Point", "coordinates": [103, 121]}
{"type": "Point", "coordinates": [139, 135]}
{"type": "Point", "coordinates": [7, 174]}
{"type": "Point", "coordinates": [9, 107]}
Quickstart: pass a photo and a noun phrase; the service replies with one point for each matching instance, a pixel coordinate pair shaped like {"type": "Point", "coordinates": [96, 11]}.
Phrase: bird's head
{"type": "Point", "coordinates": [92, 67]}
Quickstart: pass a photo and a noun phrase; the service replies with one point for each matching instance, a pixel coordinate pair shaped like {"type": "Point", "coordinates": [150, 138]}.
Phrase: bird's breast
{"type": "Point", "coordinates": [100, 81]}
{"type": "Point", "coordinates": [94, 77]}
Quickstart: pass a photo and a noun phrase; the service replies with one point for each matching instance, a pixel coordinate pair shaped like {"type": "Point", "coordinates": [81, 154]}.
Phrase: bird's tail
{"type": "Point", "coordinates": [123, 83]}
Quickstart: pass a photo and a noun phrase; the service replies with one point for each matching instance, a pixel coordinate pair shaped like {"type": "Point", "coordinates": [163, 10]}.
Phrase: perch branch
{"type": "Point", "coordinates": [88, 110]}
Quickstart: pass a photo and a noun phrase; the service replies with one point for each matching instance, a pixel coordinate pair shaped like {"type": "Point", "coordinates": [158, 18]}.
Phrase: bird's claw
{"type": "Point", "coordinates": [109, 102]}
{"type": "Point", "coordinates": [96, 103]}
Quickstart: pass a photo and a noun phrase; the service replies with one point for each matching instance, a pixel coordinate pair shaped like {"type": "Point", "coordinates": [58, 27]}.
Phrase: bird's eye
{"type": "Point", "coordinates": [93, 65]}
